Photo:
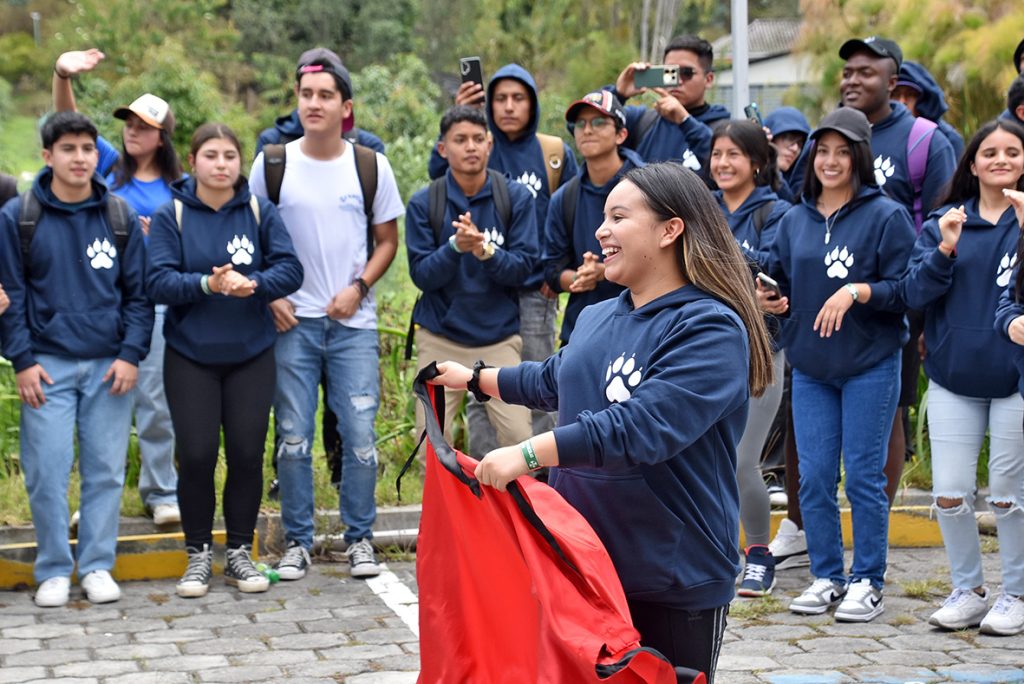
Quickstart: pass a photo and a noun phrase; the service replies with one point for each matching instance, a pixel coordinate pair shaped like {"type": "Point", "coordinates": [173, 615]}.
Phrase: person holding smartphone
{"type": "Point", "coordinates": [838, 257]}
{"type": "Point", "coordinates": [743, 168]}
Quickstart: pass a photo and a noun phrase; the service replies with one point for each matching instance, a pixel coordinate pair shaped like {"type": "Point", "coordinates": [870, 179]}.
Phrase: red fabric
{"type": "Point", "coordinates": [497, 604]}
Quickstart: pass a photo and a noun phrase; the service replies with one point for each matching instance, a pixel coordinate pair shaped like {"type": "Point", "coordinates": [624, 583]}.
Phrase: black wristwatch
{"type": "Point", "coordinates": [474, 382]}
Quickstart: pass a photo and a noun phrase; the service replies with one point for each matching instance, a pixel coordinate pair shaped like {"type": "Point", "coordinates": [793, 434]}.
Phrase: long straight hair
{"type": "Point", "coordinates": [708, 254]}
{"type": "Point", "coordinates": [166, 159]}
{"type": "Point", "coordinates": [861, 173]}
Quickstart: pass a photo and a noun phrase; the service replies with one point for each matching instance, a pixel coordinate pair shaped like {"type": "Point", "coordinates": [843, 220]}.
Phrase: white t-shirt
{"type": "Point", "coordinates": [322, 207]}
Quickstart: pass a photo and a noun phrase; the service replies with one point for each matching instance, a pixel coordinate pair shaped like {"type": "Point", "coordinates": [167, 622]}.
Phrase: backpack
{"type": "Point", "coordinates": [437, 202]}
{"type": "Point", "coordinates": [918, 142]}
{"type": "Point", "coordinates": [761, 215]}
{"type": "Point", "coordinates": [553, 149]}
{"type": "Point", "coordinates": [254, 205]}
{"type": "Point", "coordinates": [8, 188]}
{"type": "Point", "coordinates": [117, 216]}
{"type": "Point", "coordinates": [274, 157]}
{"type": "Point", "coordinates": [646, 123]}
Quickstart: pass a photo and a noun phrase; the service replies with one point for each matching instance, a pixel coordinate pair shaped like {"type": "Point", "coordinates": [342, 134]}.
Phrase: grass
{"type": "Point", "coordinates": [755, 609]}
{"type": "Point", "coordinates": [925, 590]}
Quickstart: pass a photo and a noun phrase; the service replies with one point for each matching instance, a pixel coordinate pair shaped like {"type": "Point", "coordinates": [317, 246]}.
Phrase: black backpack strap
{"type": "Point", "coordinates": [761, 215]}
{"type": "Point", "coordinates": [502, 200]}
{"type": "Point", "coordinates": [645, 124]}
{"type": "Point", "coordinates": [117, 215]}
{"type": "Point", "coordinates": [27, 219]}
{"type": "Point", "coordinates": [437, 200]}
{"type": "Point", "coordinates": [8, 188]}
{"type": "Point", "coordinates": [273, 170]}
{"type": "Point", "coordinates": [366, 169]}
{"type": "Point", "coordinates": [570, 198]}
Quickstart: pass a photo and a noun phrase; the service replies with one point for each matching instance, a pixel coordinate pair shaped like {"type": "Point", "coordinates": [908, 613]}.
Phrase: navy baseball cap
{"type": "Point", "coordinates": [882, 47]}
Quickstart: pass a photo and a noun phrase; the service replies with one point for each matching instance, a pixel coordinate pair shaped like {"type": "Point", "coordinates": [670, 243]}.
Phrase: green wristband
{"type": "Point", "coordinates": [204, 283]}
{"type": "Point", "coordinates": [530, 455]}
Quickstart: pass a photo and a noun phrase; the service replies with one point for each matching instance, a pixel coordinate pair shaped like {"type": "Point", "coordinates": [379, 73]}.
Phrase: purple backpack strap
{"type": "Point", "coordinates": [918, 142]}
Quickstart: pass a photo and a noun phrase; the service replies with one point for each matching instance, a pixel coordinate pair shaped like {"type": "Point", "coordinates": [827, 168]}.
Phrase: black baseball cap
{"type": "Point", "coordinates": [846, 121]}
{"type": "Point", "coordinates": [321, 59]}
{"type": "Point", "coordinates": [1017, 54]}
{"type": "Point", "coordinates": [883, 47]}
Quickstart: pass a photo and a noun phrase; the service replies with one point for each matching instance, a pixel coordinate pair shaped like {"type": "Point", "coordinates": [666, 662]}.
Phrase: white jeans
{"type": "Point", "coordinates": [957, 427]}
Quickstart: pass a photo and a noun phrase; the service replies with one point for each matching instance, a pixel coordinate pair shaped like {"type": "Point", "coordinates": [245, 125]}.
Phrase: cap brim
{"type": "Point", "coordinates": [573, 111]}
{"type": "Point", "coordinates": [845, 132]}
{"type": "Point", "coordinates": [123, 112]}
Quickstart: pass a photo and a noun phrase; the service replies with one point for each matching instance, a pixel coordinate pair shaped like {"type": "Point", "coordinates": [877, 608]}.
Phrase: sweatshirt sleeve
{"type": "Point", "coordinates": [431, 266]}
{"type": "Point", "coordinates": [696, 376]}
{"type": "Point", "coordinates": [1007, 310]}
{"type": "Point", "coordinates": [894, 250]}
{"type": "Point", "coordinates": [136, 306]}
{"type": "Point", "coordinates": [778, 264]}
{"type": "Point", "coordinates": [930, 272]}
{"type": "Point", "coordinates": [762, 253]}
{"type": "Point", "coordinates": [514, 262]}
{"type": "Point", "coordinates": [941, 164]}
{"type": "Point", "coordinates": [281, 273]}
{"type": "Point", "coordinates": [531, 383]}
{"type": "Point", "coordinates": [437, 165]}
{"type": "Point", "coordinates": [166, 282]}
{"type": "Point", "coordinates": [570, 169]}
{"type": "Point", "coordinates": [698, 137]}
{"type": "Point", "coordinates": [796, 178]}
{"type": "Point", "coordinates": [558, 250]}
{"type": "Point", "coordinates": [17, 339]}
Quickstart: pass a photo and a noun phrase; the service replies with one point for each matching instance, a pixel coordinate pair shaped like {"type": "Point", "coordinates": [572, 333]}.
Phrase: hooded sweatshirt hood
{"type": "Point", "coordinates": [932, 103]}
{"type": "Point", "coordinates": [527, 135]}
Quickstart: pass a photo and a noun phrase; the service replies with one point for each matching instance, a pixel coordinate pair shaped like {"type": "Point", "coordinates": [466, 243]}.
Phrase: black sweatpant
{"type": "Point", "coordinates": [202, 398]}
{"type": "Point", "coordinates": [688, 638]}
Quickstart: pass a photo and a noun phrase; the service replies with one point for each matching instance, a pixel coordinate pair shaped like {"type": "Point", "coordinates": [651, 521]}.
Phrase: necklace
{"type": "Point", "coordinates": [830, 222]}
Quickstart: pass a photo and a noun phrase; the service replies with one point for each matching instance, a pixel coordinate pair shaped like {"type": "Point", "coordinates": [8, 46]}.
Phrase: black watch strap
{"type": "Point", "coordinates": [474, 382]}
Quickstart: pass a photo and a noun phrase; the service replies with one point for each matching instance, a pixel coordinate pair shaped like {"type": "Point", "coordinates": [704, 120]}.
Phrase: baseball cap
{"type": "Point", "coordinates": [153, 110]}
{"type": "Point", "coordinates": [601, 100]}
{"type": "Point", "coordinates": [321, 59]}
{"type": "Point", "coordinates": [1017, 54]}
{"type": "Point", "coordinates": [883, 47]}
{"type": "Point", "coordinates": [848, 122]}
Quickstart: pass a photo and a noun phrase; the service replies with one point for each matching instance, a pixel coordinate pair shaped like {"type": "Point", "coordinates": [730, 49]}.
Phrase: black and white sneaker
{"type": "Point", "coordinates": [361, 559]}
{"type": "Point", "coordinates": [196, 580]}
{"type": "Point", "coordinates": [818, 598]}
{"type": "Point", "coordinates": [240, 572]}
{"type": "Point", "coordinates": [863, 602]}
{"type": "Point", "coordinates": [294, 562]}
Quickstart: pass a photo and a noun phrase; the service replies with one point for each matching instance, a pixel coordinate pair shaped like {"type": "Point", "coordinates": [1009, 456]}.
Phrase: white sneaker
{"type": "Point", "coordinates": [789, 548]}
{"type": "Point", "coordinates": [1006, 617]}
{"type": "Point", "coordinates": [100, 587]}
{"type": "Point", "coordinates": [166, 514]}
{"type": "Point", "coordinates": [53, 592]}
{"type": "Point", "coordinates": [964, 608]}
{"type": "Point", "coordinates": [777, 497]}
{"type": "Point", "coordinates": [817, 598]}
{"type": "Point", "coordinates": [862, 603]}
{"type": "Point", "coordinates": [361, 559]}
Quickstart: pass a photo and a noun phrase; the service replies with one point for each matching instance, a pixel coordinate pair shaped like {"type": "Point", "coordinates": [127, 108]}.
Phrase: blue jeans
{"type": "Point", "coordinates": [158, 478]}
{"type": "Point", "coordinates": [851, 417]}
{"type": "Point", "coordinates": [78, 398]}
{"type": "Point", "coordinates": [350, 358]}
{"type": "Point", "coordinates": [956, 428]}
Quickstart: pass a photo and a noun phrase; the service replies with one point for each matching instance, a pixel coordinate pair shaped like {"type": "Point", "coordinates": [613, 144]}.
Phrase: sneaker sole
{"type": "Point", "coordinates": [103, 599]}
{"type": "Point", "coordinates": [194, 591]}
{"type": "Point", "coordinates": [360, 571]}
{"type": "Point", "coordinates": [797, 560]}
{"type": "Point", "coordinates": [857, 617]}
{"type": "Point", "coordinates": [953, 626]}
{"type": "Point", "coordinates": [754, 593]}
{"type": "Point", "coordinates": [995, 631]}
{"type": "Point", "coordinates": [167, 520]}
{"type": "Point", "coordinates": [50, 604]}
{"type": "Point", "coordinates": [247, 586]}
{"type": "Point", "coordinates": [290, 575]}
{"type": "Point", "coordinates": [809, 610]}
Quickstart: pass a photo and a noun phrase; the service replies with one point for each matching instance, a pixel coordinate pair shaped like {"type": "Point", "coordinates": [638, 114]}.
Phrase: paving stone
{"type": "Point", "coordinates": [776, 632]}
{"type": "Point", "coordinates": [338, 625]}
{"type": "Point", "coordinates": [925, 642]}
{"type": "Point", "coordinates": [411, 647]}
{"type": "Point", "coordinates": [913, 658]}
{"type": "Point", "coordinates": [381, 636]}
{"type": "Point", "coordinates": [873, 630]}
{"type": "Point", "coordinates": [368, 652]}
{"type": "Point", "coordinates": [281, 658]}
{"type": "Point", "coordinates": [266, 630]}
{"type": "Point", "coordinates": [813, 676]}
{"type": "Point", "coordinates": [151, 678]}
{"type": "Point", "coordinates": [192, 663]}
{"type": "Point", "coordinates": [839, 645]}
{"type": "Point", "coordinates": [138, 652]}
{"type": "Point", "coordinates": [762, 647]}
{"type": "Point", "coordinates": [834, 659]}
{"type": "Point", "coordinates": [308, 641]}
{"type": "Point", "coordinates": [330, 669]}
{"type": "Point", "coordinates": [209, 621]}
{"type": "Point", "coordinates": [982, 674]}
{"type": "Point", "coordinates": [241, 674]}
{"type": "Point", "coordinates": [12, 646]}
{"type": "Point", "coordinates": [12, 620]}
{"type": "Point", "coordinates": [728, 662]}
{"type": "Point", "coordinates": [84, 613]}
{"type": "Point", "coordinates": [42, 631]}
{"type": "Point", "coordinates": [893, 674]}
{"type": "Point", "coordinates": [282, 615]}
{"type": "Point", "coordinates": [87, 641]}
{"type": "Point", "coordinates": [9, 675]}
{"type": "Point", "coordinates": [174, 635]}
{"type": "Point", "coordinates": [383, 678]}
{"type": "Point", "coordinates": [398, 663]}
{"type": "Point", "coordinates": [102, 668]}
{"type": "Point", "coordinates": [992, 656]}
{"type": "Point", "coordinates": [133, 626]}
{"type": "Point", "coordinates": [223, 646]}
{"type": "Point", "coordinates": [55, 657]}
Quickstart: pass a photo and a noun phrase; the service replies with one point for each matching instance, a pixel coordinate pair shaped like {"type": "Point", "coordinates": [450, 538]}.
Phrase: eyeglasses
{"type": "Point", "coordinates": [686, 73]}
{"type": "Point", "coordinates": [597, 123]}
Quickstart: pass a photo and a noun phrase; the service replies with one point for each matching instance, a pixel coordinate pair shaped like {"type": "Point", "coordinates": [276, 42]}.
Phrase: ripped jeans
{"type": "Point", "coordinates": [350, 358]}
{"type": "Point", "coordinates": [957, 426]}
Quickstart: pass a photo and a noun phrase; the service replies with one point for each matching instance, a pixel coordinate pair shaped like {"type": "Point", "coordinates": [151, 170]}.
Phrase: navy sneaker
{"type": "Point", "coordinates": [758, 573]}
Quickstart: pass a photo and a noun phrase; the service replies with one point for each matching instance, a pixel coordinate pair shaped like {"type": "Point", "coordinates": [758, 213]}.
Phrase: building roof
{"type": "Point", "coordinates": [766, 38]}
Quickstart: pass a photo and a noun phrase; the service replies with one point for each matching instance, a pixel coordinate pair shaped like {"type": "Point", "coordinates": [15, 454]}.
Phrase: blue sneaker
{"type": "Point", "coordinates": [758, 573]}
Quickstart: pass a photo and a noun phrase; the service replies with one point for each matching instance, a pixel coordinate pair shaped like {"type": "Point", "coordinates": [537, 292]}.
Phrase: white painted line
{"type": "Point", "coordinates": [398, 597]}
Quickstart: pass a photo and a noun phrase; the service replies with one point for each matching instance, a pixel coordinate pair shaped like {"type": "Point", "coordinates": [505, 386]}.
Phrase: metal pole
{"type": "Point", "coordinates": [35, 26]}
{"type": "Point", "coordinates": [740, 58]}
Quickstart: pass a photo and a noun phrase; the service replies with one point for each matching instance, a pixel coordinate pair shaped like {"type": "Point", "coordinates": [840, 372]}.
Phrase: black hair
{"type": "Point", "coordinates": [166, 158]}
{"type": "Point", "coordinates": [460, 113]}
{"type": "Point", "coordinates": [210, 131]}
{"type": "Point", "coordinates": [328, 66]}
{"type": "Point", "coordinates": [1015, 96]}
{"type": "Point", "coordinates": [862, 167]}
{"type": "Point", "coordinates": [62, 123]}
{"type": "Point", "coordinates": [695, 44]}
{"type": "Point", "coordinates": [964, 184]}
{"type": "Point", "coordinates": [752, 141]}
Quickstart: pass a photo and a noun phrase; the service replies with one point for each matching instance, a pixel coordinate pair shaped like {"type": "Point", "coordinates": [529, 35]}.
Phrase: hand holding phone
{"type": "Point", "coordinates": [769, 283]}
{"type": "Point", "coordinates": [752, 112]}
{"type": "Point", "coordinates": [657, 76]}
{"type": "Point", "coordinates": [472, 70]}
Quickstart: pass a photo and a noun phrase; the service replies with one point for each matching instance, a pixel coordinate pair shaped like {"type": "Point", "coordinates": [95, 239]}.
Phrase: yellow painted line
{"type": "Point", "coordinates": [909, 526]}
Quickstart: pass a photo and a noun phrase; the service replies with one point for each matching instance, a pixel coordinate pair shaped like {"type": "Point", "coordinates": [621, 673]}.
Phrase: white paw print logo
{"type": "Point", "coordinates": [101, 254]}
{"type": "Point", "coordinates": [746, 245]}
{"type": "Point", "coordinates": [493, 235]}
{"type": "Point", "coordinates": [838, 262]}
{"type": "Point", "coordinates": [1005, 269]}
{"type": "Point", "coordinates": [690, 160]}
{"type": "Point", "coordinates": [883, 169]}
{"type": "Point", "coordinates": [622, 377]}
{"type": "Point", "coordinates": [241, 250]}
{"type": "Point", "coordinates": [531, 181]}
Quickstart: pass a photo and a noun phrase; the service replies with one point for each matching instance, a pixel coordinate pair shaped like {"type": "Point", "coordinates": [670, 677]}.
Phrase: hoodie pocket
{"type": "Point", "coordinates": [643, 537]}
{"type": "Point", "coordinates": [92, 333]}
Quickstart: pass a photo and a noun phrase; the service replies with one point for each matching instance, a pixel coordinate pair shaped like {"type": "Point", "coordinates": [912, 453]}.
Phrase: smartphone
{"type": "Point", "coordinates": [657, 76]}
{"type": "Point", "coordinates": [770, 283]}
{"type": "Point", "coordinates": [752, 112]}
{"type": "Point", "coordinates": [471, 70]}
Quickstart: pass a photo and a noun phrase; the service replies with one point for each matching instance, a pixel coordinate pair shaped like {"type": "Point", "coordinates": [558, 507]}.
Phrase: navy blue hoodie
{"type": "Point", "coordinates": [521, 160]}
{"type": "Point", "coordinates": [871, 240]}
{"type": "Point", "coordinates": [932, 102]}
{"type": "Point", "coordinates": [82, 297]}
{"type": "Point", "coordinates": [215, 329]}
{"type": "Point", "coordinates": [1009, 308]}
{"type": "Point", "coordinates": [889, 145]}
{"type": "Point", "coordinates": [564, 248]}
{"type": "Point", "coordinates": [651, 403]}
{"type": "Point", "coordinates": [756, 245]}
{"type": "Point", "coordinates": [959, 296]}
{"type": "Point", "coordinates": [288, 127]}
{"type": "Point", "coordinates": [469, 301]}
{"type": "Point", "coordinates": [788, 120]}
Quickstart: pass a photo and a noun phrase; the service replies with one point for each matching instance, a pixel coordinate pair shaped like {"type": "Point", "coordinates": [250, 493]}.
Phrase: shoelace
{"type": "Point", "coordinates": [293, 557]}
{"type": "Point", "coordinates": [361, 552]}
{"type": "Point", "coordinates": [198, 567]}
{"type": "Point", "coordinates": [859, 591]}
{"type": "Point", "coordinates": [242, 564]}
{"type": "Point", "coordinates": [958, 597]}
{"type": "Point", "coordinates": [754, 571]}
{"type": "Point", "coordinates": [819, 586]}
{"type": "Point", "coordinates": [1004, 604]}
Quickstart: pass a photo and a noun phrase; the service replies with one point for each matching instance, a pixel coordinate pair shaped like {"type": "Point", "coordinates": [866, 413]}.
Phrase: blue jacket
{"type": "Point", "coordinates": [468, 301]}
{"type": "Point", "coordinates": [80, 296]}
{"type": "Point", "coordinates": [564, 248]}
{"type": "Point", "coordinates": [214, 329]}
{"type": "Point", "coordinates": [521, 160]}
{"type": "Point", "coordinates": [959, 297]}
{"type": "Point", "coordinates": [651, 403]}
{"type": "Point", "coordinates": [889, 147]}
{"type": "Point", "coordinates": [288, 127]}
{"type": "Point", "coordinates": [871, 240]}
{"type": "Point", "coordinates": [1009, 308]}
{"type": "Point", "coordinates": [932, 102]}
{"type": "Point", "coordinates": [788, 120]}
